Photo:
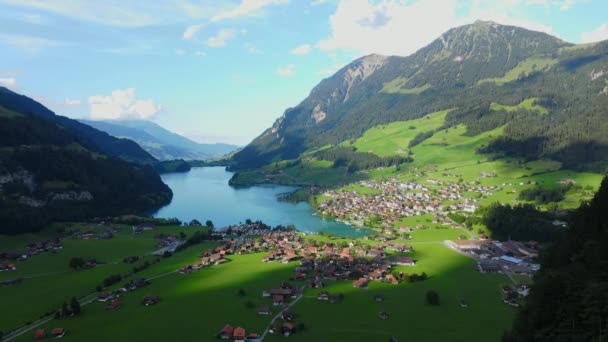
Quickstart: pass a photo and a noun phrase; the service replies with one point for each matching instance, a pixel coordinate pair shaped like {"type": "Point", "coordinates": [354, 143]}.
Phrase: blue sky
{"type": "Point", "coordinates": [223, 71]}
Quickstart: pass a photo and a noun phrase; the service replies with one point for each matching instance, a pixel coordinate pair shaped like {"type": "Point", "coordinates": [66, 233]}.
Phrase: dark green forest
{"type": "Point", "coordinates": [569, 298]}
{"type": "Point", "coordinates": [47, 175]}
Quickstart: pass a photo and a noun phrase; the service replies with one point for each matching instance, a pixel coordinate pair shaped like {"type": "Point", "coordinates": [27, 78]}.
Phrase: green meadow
{"type": "Point", "coordinates": [198, 305]}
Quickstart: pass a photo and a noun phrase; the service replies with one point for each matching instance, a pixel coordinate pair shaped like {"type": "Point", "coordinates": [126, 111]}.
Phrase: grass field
{"type": "Point", "coordinates": [453, 276]}
{"type": "Point", "coordinates": [393, 139]}
{"type": "Point", "coordinates": [48, 279]}
{"type": "Point", "coordinates": [192, 307]}
{"type": "Point", "coordinates": [199, 304]}
{"type": "Point", "coordinates": [524, 68]}
{"type": "Point", "coordinates": [527, 104]}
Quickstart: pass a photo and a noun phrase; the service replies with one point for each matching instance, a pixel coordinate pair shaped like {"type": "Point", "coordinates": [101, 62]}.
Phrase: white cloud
{"type": "Point", "coordinates": [28, 44]}
{"type": "Point", "coordinates": [287, 71]}
{"type": "Point", "coordinates": [220, 39]}
{"type": "Point", "coordinates": [252, 49]}
{"type": "Point", "coordinates": [318, 2]}
{"type": "Point", "coordinates": [600, 33]}
{"type": "Point", "coordinates": [392, 27]}
{"type": "Point", "coordinates": [191, 31]}
{"type": "Point", "coordinates": [122, 104]}
{"type": "Point", "coordinates": [71, 102]}
{"type": "Point", "coordinates": [180, 52]}
{"type": "Point", "coordinates": [200, 53]}
{"type": "Point", "coordinates": [8, 82]}
{"type": "Point", "coordinates": [246, 8]}
{"type": "Point", "coordinates": [303, 49]}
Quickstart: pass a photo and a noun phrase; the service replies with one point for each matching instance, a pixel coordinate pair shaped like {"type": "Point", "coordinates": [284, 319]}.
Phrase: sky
{"type": "Point", "coordinates": [223, 71]}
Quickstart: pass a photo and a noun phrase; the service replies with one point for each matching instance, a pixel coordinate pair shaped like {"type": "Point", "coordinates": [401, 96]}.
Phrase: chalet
{"type": "Point", "coordinates": [58, 332]}
{"type": "Point", "coordinates": [376, 253]}
{"type": "Point", "coordinates": [382, 315]}
{"type": "Point", "coordinates": [375, 275]}
{"type": "Point", "coordinates": [323, 295]}
{"type": "Point", "coordinates": [264, 310]}
{"type": "Point", "coordinates": [278, 300]}
{"type": "Point", "coordinates": [39, 334]}
{"type": "Point", "coordinates": [378, 298]}
{"type": "Point", "coordinates": [488, 267]}
{"type": "Point", "coordinates": [239, 334]}
{"type": "Point", "coordinates": [114, 304]}
{"type": "Point", "coordinates": [360, 283]}
{"type": "Point", "coordinates": [226, 332]}
{"type": "Point", "coordinates": [402, 261]}
{"type": "Point", "coordinates": [287, 329]}
{"type": "Point", "coordinates": [389, 278]}
{"type": "Point", "coordinates": [150, 300]}
{"type": "Point", "coordinates": [288, 315]}
{"type": "Point", "coordinates": [466, 245]}
{"type": "Point", "coordinates": [401, 248]}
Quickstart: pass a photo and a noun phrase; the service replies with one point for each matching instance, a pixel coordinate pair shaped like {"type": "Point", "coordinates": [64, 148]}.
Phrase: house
{"type": "Point", "coordinates": [402, 261]}
{"type": "Point", "coordinates": [389, 278]}
{"type": "Point", "coordinates": [58, 332]}
{"type": "Point", "coordinates": [511, 260]}
{"type": "Point", "coordinates": [323, 295]}
{"type": "Point", "coordinates": [466, 245]}
{"type": "Point", "coordinates": [39, 334]}
{"type": "Point", "coordinates": [150, 300]}
{"type": "Point", "coordinates": [382, 315]}
{"type": "Point", "coordinates": [277, 299]}
{"type": "Point", "coordinates": [114, 304]}
{"type": "Point", "coordinates": [288, 315]}
{"type": "Point", "coordinates": [287, 329]}
{"type": "Point", "coordinates": [375, 275]}
{"type": "Point", "coordinates": [239, 334]}
{"type": "Point", "coordinates": [264, 310]}
{"type": "Point", "coordinates": [378, 298]}
{"type": "Point", "coordinates": [488, 267]}
{"type": "Point", "coordinates": [360, 283]}
{"type": "Point", "coordinates": [226, 332]}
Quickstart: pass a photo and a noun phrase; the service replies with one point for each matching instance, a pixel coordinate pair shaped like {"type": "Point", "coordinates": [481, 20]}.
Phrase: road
{"type": "Point", "coordinates": [280, 313]}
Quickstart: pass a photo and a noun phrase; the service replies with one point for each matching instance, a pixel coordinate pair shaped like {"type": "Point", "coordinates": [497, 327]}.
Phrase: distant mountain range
{"type": "Point", "coordinates": [485, 73]}
{"type": "Point", "coordinates": [160, 142]}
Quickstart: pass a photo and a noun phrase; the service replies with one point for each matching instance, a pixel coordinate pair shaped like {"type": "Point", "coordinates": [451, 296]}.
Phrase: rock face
{"type": "Point", "coordinates": [72, 196]}
{"type": "Point", "coordinates": [358, 72]}
{"type": "Point", "coordinates": [318, 115]}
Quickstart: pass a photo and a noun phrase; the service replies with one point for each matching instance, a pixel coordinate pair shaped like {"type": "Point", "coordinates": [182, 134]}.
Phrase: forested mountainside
{"type": "Point", "coordinates": [569, 298]}
{"type": "Point", "coordinates": [160, 142]}
{"type": "Point", "coordinates": [87, 136]}
{"type": "Point", "coordinates": [48, 174]}
{"type": "Point", "coordinates": [482, 73]}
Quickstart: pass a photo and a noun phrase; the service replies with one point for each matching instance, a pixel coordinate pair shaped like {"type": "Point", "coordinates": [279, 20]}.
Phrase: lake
{"type": "Point", "coordinates": [204, 194]}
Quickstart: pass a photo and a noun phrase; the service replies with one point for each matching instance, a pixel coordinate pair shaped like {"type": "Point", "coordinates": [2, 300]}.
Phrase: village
{"type": "Point", "coordinates": [395, 200]}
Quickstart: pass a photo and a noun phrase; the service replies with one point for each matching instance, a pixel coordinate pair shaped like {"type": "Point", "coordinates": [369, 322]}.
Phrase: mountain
{"type": "Point", "coordinates": [87, 136]}
{"type": "Point", "coordinates": [51, 172]}
{"type": "Point", "coordinates": [568, 300]}
{"type": "Point", "coordinates": [159, 142]}
{"type": "Point", "coordinates": [485, 74]}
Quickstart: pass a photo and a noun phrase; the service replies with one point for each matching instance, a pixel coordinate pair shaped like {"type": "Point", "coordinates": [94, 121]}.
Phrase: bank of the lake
{"type": "Point", "coordinates": [203, 193]}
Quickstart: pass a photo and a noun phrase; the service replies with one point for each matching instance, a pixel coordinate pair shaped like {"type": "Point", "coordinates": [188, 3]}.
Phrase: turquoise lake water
{"type": "Point", "coordinates": [204, 194]}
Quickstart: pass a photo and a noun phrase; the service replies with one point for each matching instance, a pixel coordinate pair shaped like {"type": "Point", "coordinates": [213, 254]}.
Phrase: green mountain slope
{"type": "Point", "coordinates": [483, 73]}
{"type": "Point", "coordinates": [89, 137]}
{"type": "Point", "coordinates": [47, 174]}
{"type": "Point", "coordinates": [160, 142]}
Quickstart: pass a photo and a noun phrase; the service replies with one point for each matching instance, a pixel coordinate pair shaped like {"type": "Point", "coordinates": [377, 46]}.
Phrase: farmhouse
{"type": "Point", "coordinates": [402, 261]}
{"type": "Point", "coordinates": [360, 283]}
{"type": "Point", "coordinates": [466, 245]}
{"type": "Point", "coordinates": [226, 332]}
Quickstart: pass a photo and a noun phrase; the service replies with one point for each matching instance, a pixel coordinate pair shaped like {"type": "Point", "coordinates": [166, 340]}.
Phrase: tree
{"type": "Point", "coordinates": [65, 310]}
{"type": "Point", "coordinates": [75, 306]}
{"type": "Point", "coordinates": [209, 224]}
{"type": "Point", "coordinates": [248, 221]}
{"type": "Point", "coordinates": [432, 298]}
{"type": "Point", "coordinates": [242, 292]}
{"type": "Point", "coordinates": [77, 263]}
{"type": "Point", "coordinates": [195, 222]}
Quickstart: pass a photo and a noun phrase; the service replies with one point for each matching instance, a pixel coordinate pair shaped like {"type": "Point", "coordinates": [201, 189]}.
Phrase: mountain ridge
{"type": "Point", "coordinates": [467, 67]}
{"type": "Point", "coordinates": [160, 142]}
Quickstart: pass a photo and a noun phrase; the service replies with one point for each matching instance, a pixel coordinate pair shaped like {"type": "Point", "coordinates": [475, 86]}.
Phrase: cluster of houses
{"type": "Point", "coordinates": [41, 334]}
{"type": "Point", "coordinates": [237, 334]}
{"type": "Point", "coordinates": [394, 200]}
{"type": "Point", "coordinates": [95, 235]}
{"type": "Point", "coordinates": [500, 257]}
